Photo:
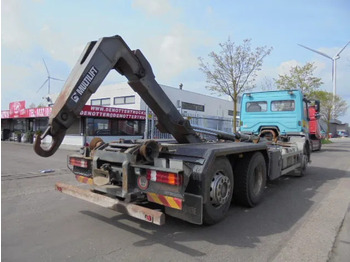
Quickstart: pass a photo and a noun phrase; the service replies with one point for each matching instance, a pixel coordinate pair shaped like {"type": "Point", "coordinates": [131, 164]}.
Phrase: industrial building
{"type": "Point", "coordinates": [117, 112]}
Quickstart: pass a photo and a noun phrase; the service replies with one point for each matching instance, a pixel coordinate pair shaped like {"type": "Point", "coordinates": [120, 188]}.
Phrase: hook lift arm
{"type": "Point", "coordinates": [97, 59]}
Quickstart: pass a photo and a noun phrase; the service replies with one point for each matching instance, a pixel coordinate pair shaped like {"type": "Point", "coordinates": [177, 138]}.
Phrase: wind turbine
{"type": "Point", "coordinates": [48, 80]}
{"type": "Point", "coordinates": [334, 67]}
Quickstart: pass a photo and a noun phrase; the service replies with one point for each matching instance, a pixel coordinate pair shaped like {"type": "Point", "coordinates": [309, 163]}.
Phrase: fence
{"type": "Point", "coordinates": [213, 122]}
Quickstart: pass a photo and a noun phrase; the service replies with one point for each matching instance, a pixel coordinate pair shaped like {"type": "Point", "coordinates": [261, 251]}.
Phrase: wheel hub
{"type": "Point", "coordinates": [220, 189]}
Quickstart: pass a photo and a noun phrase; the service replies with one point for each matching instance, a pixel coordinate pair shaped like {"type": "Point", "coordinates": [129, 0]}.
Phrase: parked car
{"type": "Point", "coordinates": [343, 134]}
{"type": "Point", "coordinates": [323, 135]}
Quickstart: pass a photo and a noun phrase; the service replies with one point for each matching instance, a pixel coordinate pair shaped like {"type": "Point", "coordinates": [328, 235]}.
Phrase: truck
{"type": "Point", "coordinates": [277, 115]}
{"type": "Point", "coordinates": [315, 129]}
{"type": "Point", "coordinates": [190, 178]}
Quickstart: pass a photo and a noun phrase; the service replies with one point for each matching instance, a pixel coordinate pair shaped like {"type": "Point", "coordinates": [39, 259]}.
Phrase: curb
{"type": "Point", "coordinates": [341, 248]}
{"type": "Point", "coordinates": [63, 146]}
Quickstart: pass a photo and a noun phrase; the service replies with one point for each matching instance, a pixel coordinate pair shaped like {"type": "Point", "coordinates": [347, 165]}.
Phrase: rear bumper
{"type": "Point", "coordinates": [142, 213]}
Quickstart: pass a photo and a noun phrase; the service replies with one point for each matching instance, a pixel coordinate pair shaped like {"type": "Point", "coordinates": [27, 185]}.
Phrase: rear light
{"type": "Point", "coordinates": [164, 177]}
{"type": "Point", "coordinates": [80, 162]}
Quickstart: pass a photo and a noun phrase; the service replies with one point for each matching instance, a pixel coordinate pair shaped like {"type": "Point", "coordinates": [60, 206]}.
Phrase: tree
{"type": "Point", "coordinates": [233, 70]}
{"type": "Point", "coordinates": [330, 110]}
{"type": "Point", "coordinates": [267, 84]}
{"type": "Point", "coordinates": [300, 78]}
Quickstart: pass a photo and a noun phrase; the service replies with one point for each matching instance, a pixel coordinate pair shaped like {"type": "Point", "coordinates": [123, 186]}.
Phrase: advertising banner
{"type": "Point", "coordinates": [42, 111]}
{"type": "Point", "coordinates": [112, 112]}
{"type": "Point", "coordinates": [18, 110]}
{"type": "Point", "coordinates": [5, 114]}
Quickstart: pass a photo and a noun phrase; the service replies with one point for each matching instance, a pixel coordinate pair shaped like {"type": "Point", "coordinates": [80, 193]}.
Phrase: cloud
{"type": "Point", "coordinates": [54, 43]}
{"type": "Point", "coordinates": [173, 52]}
{"type": "Point", "coordinates": [154, 7]}
{"type": "Point", "coordinates": [285, 67]}
{"type": "Point", "coordinates": [22, 33]}
{"type": "Point", "coordinates": [15, 31]}
{"type": "Point", "coordinates": [324, 71]}
{"type": "Point", "coordinates": [209, 10]}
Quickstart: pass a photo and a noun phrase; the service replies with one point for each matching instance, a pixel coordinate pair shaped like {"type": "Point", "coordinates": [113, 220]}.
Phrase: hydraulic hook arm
{"type": "Point", "coordinates": [98, 58]}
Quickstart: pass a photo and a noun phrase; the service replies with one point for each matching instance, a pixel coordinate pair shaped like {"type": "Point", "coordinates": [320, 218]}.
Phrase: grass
{"type": "Point", "coordinates": [326, 141]}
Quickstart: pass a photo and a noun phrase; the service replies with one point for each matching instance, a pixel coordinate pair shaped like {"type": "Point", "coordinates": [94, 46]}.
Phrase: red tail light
{"type": "Point", "coordinates": [164, 177]}
{"type": "Point", "coordinates": [80, 162]}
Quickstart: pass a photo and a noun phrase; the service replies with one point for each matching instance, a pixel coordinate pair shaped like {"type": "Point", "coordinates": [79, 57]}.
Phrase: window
{"type": "Point", "coordinates": [114, 127]}
{"type": "Point", "coordinates": [306, 111]}
{"type": "Point", "coordinates": [41, 124]}
{"type": "Point", "coordinates": [130, 100]}
{"type": "Point", "coordinates": [283, 105]}
{"type": "Point", "coordinates": [19, 124]}
{"type": "Point", "coordinates": [260, 106]}
{"type": "Point", "coordinates": [95, 102]}
{"type": "Point", "coordinates": [193, 107]}
{"type": "Point", "coordinates": [98, 126]}
{"type": "Point", "coordinates": [130, 127]}
{"type": "Point", "coordinates": [119, 101]}
{"type": "Point", "coordinates": [105, 101]}
{"type": "Point", "coordinates": [122, 100]}
{"type": "Point", "coordinates": [101, 102]}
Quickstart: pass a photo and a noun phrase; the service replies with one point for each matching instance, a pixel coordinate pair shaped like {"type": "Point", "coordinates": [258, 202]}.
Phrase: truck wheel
{"type": "Point", "coordinates": [218, 192]}
{"type": "Point", "coordinates": [319, 145]}
{"type": "Point", "coordinates": [250, 180]}
{"type": "Point", "coordinates": [304, 161]}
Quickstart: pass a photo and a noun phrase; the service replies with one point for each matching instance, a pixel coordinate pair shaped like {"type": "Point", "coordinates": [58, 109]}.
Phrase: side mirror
{"type": "Point", "coordinates": [318, 116]}
{"type": "Point", "coordinates": [317, 106]}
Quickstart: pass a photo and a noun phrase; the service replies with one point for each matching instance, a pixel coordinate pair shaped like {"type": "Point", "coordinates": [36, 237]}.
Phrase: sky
{"type": "Point", "coordinates": [172, 34]}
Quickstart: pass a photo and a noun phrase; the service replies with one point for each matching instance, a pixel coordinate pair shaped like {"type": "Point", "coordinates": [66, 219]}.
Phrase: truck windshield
{"type": "Point", "coordinates": [260, 106]}
{"type": "Point", "coordinates": [283, 105]}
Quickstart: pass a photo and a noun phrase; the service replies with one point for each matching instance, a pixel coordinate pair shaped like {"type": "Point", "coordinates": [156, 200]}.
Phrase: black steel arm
{"type": "Point", "coordinates": [98, 58]}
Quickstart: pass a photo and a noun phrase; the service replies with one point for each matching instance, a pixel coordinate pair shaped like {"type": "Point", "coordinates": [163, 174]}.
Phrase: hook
{"type": "Point", "coordinates": [55, 144]}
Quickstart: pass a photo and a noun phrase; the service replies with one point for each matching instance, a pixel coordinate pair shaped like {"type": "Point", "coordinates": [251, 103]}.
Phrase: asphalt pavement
{"type": "Point", "coordinates": [300, 219]}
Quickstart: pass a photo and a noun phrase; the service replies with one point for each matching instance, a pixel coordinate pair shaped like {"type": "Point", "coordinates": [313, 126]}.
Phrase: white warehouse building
{"type": "Point", "coordinates": [117, 112]}
{"type": "Point", "coordinates": [203, 110]}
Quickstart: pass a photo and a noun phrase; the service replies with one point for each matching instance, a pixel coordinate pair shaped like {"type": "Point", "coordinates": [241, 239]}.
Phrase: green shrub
{"type": "Point", "coordinates": [326, 141]}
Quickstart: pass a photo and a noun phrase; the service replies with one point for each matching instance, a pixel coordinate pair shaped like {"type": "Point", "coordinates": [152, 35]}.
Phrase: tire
{"type": "Point", "coordinates": [319, 145]}
{"type": "Point", "coordinates": [250, 180]}
{"type": "Point", "coordinates": [300, 172]}
{"type": "Point", "coordinates": [219, 190]}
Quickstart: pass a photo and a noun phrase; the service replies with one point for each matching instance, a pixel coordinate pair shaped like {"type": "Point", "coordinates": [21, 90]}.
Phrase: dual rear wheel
{"type": "Point", "coordinates": [245, 184]}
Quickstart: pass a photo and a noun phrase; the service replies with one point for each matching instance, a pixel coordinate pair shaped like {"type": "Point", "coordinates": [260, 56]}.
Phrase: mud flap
{"type": "Point", "coordinates": [192, 209]}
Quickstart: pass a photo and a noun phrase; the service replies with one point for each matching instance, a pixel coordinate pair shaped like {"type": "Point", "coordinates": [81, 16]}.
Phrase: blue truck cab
{"type": "Point", "coordinates": [284, 111]}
